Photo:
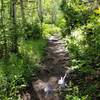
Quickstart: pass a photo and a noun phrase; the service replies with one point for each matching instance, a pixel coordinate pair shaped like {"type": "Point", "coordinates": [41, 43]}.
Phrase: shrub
{"type": "Point", "coordinates": [50, 29]}
{"type": "Point", "coordinates": [33, 31]}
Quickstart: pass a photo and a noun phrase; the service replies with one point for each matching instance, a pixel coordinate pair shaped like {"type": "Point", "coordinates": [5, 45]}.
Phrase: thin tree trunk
{"type": "Point", "coordinates": [22, 12]}
{"type": "Point", "coordinates": [2, 26]}
{"type": "Point", "coordinates": [40, 13]}
{"type": "Point", "coordinates": [15, 37]}
{"type": "Point", "coordinates": [40, 10]}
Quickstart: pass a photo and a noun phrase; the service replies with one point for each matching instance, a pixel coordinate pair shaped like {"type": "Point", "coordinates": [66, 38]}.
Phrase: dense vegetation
{"type": "Point", "coordinates": [25, 26]}
{"type": "Point", "coordinates": [83, 41]}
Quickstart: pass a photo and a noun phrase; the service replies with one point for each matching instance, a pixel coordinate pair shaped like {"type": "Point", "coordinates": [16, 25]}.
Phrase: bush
{"type": "Point", "coordinates": [18, 69]}
{"type": "Point", "coordinates": [3, 82]}
{"type": "Point", "coordinates": [50, 29]}
{"type": "Point", "coordinates": [33, 31]}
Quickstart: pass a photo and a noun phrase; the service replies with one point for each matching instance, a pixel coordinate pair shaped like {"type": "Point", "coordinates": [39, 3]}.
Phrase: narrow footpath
{"type": "Point", "coordinates": [53, 66]}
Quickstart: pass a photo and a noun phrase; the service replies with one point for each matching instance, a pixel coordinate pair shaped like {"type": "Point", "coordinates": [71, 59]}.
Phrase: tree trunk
{"type": "Point", "coordinates": [3, 31]}
{"type": "Point", "coordinates": [40, 10]}
{"type": "Point", "coordinates": [14, 31]}
{"type": "Point", "coordinates": [22, 12]}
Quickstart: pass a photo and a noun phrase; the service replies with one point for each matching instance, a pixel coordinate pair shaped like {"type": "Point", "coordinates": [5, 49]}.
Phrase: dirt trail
{"type": "Point", "coordinates": [53, 66]}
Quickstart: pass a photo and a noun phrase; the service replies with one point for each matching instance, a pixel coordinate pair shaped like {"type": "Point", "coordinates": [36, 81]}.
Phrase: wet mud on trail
{"type": "Point", "coordinates": [53, 66]}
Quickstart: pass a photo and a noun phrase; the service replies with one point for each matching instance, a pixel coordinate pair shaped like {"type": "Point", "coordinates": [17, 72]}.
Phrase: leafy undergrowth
{"type": "Point", "coordinates": [84, 85]}
{"type": "Point", "coordinates": [49, 30]}
{"type": "Point", "coordinates": [84, 81]}
{"type": "Point", "coordinates": [17, 70]}
{"type": "Point", "coordinates": [33, 49]}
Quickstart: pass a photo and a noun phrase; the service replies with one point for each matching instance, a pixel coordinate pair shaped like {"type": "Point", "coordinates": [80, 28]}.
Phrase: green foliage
{"type": "Point", "coordinates": [50, 29]}
{"type": "Point", "coordinates": [3, 82]}
{"type": "Point", "coordinates": [73, 93]}
{"type": "Point", "coordinates": [83, 42]}
{"type": "Point", "coordinates": [61, 22]}
{"type": "Point", "coordinates": [12, 72]}
{"type": "Point", "coordinates": [24, 25]}
{"type": "Point", "coordinates": [33, 31]}
{"type": "Point", "coordinates": [33, 49]}
{"type": "Point", "coordinates": [17, 71]}
{"type": "Point", "coordinates": [76, 13]}
{"type": "Point", "coordinates": [22, 45]}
